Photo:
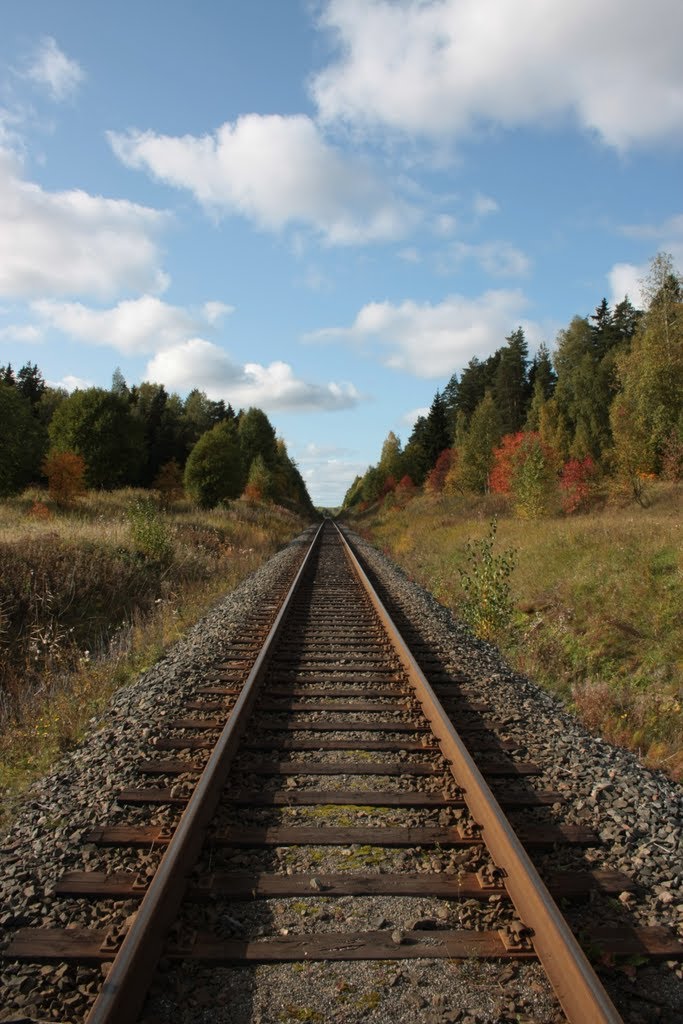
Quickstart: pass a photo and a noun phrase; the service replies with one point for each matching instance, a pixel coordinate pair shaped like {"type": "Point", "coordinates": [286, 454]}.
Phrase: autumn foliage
{"type": "Point", "coordinates": [505, 459]}
{"type": "Point", "coordinates": [576, 484]}
{"type": "Point", "coordinates": [436, 480]}
{"type": "Point", "coordinates": [65, 474]}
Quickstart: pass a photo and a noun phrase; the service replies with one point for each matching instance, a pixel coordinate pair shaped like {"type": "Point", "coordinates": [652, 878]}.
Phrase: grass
{"type": "Point", "coordinates": [598, 604]}
{"type": "Point", "coordinates": [88, 599]}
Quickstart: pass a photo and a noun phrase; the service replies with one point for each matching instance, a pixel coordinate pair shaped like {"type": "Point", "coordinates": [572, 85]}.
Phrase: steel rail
{"type": "Point", "coordinates": [577, 987]}
{"type": "Point", "coordinates": [123, 993]}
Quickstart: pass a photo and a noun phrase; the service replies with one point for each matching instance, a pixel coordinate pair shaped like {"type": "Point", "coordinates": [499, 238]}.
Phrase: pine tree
{"type": "Point", "coordinates": [511, 385]}
{"type": "Point", "coordinates": [437, 433]}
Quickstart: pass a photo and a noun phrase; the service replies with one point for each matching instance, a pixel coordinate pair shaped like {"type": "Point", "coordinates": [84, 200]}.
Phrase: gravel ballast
{"type": "Point", "coordinates": [635, 811]}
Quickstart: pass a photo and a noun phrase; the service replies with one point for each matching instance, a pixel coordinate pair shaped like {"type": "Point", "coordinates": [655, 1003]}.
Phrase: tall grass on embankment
{"type": "Point", "coordinates": [92, 594]}
{"type": "Point", "coordinates": [598, 602]}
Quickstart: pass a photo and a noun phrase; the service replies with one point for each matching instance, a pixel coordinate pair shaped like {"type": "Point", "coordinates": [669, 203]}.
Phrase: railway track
{"type": "Point", "coordinates": [321, 722]}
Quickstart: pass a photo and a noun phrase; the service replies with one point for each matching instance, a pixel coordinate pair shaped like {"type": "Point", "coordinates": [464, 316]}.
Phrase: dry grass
{"type": "Point", "coordinates": [87, 602]}
{"type": "Point", "coordinates": [598, 598]}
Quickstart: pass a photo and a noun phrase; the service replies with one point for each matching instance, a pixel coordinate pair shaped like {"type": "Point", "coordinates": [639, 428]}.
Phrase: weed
{"type": "Point", "coordinates": [369, 1000]}
{"type": "Point", "coordinates": [599, 600]}
{"type": "Point", "coordinates": [301, 1013]}
{"type": "Point", "coordinates": [149, 530]}
{"type": "Point", "coordinates": [83, 610]}
{"type": "Point", "coordinates": [486, 584]}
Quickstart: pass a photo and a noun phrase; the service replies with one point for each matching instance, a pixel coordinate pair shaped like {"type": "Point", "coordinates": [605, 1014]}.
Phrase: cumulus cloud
{"type": "Point", "coordinates": [625, 279]}
{"type": "Point", "coordinates": [71, 243]}
{"type": "Point", "coordinates": [276, 171]}
{"type": "Point", "coordinates": [133, 326]}
{"type": "Point", "coordinates": [54, 71]}
{"type": "Point", "coordinates": [432, 340]}
{"type": "Point", "coordinates": [200, 363]}
{"type": "Point", "coordinates": [72, 383]}
{"type": "Point", "coordinates": [449, 67]}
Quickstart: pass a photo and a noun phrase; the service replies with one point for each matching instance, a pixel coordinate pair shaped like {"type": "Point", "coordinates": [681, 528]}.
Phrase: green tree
{"type": "Point", "coordinates": [541, 372]}
{"type": "Point", "coordinates": [647, 408]}
{"type": "Point", "coordinates": [476, 454]}
{"type": "Point", "coordinates": [584, 389]}
{"type": "Point", "coordinates": [391, 459]}
{"type": "Point", "coordinates": [50, 399]}
{"type": "Point", "coordinates": [215, 469]}
{"type": "Point", "coordinates": [450, 397]}
{"type": "Point", "coordinates": [201, 414]}
{"type": "Point", "coordinates": [99, 426]}
{"type": "Point", "coordinates": [257, 437]}
{"type": "Point", "coordinates": [354, 494]}
{"type": "Point", "coordinates": [31, 384]}
{"type": "Point", "coordinates": [542, 380]}
{"type": "Point", "coordinates": [534, 479]}
{"type": "Point", "coordinates": [22, 441]}
{"type": "Point", "coordinates": [437, 432]}
{"type": "Point", "coordinates": [160, 417]}
{"type": "Point", "coordinates": [511, 384]}
{"type": "Point", "coordinates": [259, 486]}
{"type": "Point", "coordinates": [475, 380]}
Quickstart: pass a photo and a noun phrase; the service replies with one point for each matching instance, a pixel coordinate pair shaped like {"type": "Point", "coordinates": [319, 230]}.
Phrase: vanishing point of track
{"type": "Point", "coordinates": [327, 678]}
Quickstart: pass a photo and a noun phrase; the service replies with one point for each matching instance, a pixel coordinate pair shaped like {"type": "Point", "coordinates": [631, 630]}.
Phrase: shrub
{"type": "Point", "coordinates": [577, 485]}
{"type": "Point", "coordinates": [169, 482]}
{"type": "Point", "coordinates": [405, 491]}
{"type": "Point", "coordinates": [500, 480]}
{"type": "Point", "coordinates": [486, 583]}
{"type": "Point", "coordinates": [436, 480]}
{"type": "Point", "coordinates": [534, 483]}
{"type": "Point", "coordinates": [149, 531]}
{"type": "Point", "coordinates": [65, 472]}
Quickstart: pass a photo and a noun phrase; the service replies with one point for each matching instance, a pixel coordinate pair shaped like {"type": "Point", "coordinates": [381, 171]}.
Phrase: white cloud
{"type": "Point", "coordinates": [214, 312]}
{"type": "Point", "coordinates": [328, 476]}
{"type": "Point", "coordinates": [624, 279]}
{"type": "Point", "coordinates": [445, 224]}
{"type": "Point", "coordinates": [28, 333]}
{"type": "Point", "coordinates": [70, 243]}
{"type": "Point", "coordinates": [51, 68]}
{"type": "Point", "coordinates": [276, 171]}
{"type": "Point", "coordinates": [72, 383]}
{"type": "Point", "coordinates": [449, 67]}
{"type": "Point", "coordinates": [410, 255]}
{"type": "Point", "coordinates": [312, 452]}
{"type": "Point", "coordinates": [199, 363]}
{"type": "Point", "coordinates": [484, 205]}
{"type": "Point", "coordinates": [499, 259]}
{"type": "Point", "coordinates": [133, 326]}
{"type": "Point", "coordinates": [412, 415]}
{"type": "Point", "coordinates": [433, 340]}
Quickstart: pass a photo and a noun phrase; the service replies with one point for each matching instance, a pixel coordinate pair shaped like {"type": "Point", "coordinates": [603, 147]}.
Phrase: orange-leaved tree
{"type": "Point", "coordinates": [65, 472]}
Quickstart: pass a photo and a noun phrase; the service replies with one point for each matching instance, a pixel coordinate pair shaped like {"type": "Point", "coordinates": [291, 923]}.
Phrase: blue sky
{"type": "Point", "coordinates": [326, 208]}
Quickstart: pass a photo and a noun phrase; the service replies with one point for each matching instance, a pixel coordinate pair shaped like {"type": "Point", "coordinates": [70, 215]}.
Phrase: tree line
{"type": "Point", "coordinates": [607, 401]}
{"type": "Point", "coordinates": [141, 436]}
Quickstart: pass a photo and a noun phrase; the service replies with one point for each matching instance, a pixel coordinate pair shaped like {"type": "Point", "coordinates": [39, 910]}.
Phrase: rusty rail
{"type": "Point", "coordinates": [577, 987]}
{"type": "Point", "coordinates": [123, 992]}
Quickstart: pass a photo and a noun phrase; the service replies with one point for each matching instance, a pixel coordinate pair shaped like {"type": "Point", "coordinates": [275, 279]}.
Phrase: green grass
{"type": "Point", "coordinates": [598, 604]}
{"type": "Point", "coordinates": [88, 600]}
